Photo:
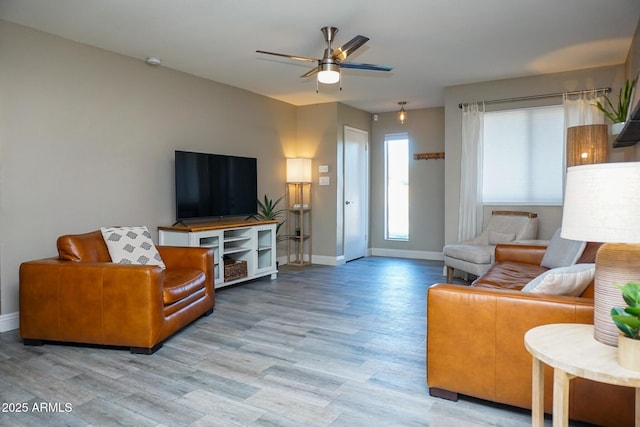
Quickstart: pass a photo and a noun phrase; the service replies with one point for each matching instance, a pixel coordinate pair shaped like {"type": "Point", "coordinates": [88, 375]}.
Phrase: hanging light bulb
{"type": "Point", "coordinates": [402, 115]}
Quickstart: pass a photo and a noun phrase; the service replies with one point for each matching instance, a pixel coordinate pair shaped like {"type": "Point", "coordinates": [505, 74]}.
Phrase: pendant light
{"type": "Point", "coordinates": [587, 144]}
{"type": "Point", "coordinates": [402, 115]}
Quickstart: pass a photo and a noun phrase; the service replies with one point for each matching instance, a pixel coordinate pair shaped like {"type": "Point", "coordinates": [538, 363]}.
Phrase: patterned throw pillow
{"type": "Point", "coordinates": [131, 245]}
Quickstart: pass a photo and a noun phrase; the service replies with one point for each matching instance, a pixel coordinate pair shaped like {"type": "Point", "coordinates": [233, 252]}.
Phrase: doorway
{"type": "Point", "coordinates": [356, 193]}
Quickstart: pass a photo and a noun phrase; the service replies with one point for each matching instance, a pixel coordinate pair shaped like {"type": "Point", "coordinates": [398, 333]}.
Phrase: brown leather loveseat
{"type": "Point", "coordinates": [83, 297]}
{"type": "Point", "coordinates": [475, 339]}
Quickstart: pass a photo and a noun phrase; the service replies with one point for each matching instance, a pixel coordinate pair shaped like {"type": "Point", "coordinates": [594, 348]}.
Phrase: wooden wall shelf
{"type": "Point", "coordinates": [630, 134]}
{"type": "Point", "coordinates": [428, 156]}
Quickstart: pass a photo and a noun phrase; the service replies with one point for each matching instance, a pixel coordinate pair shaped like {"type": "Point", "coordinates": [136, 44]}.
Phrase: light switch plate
{"type": "Point", "coordinates": [323, 168]}
{"type": "Point", "coordinates": [324, 180]}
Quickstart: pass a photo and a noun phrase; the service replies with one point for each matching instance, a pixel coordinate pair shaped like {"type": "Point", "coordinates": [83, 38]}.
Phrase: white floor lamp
{"type": "Point", "coordinates": [602, 204]}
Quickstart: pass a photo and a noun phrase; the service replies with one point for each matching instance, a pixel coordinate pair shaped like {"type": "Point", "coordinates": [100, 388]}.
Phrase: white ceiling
{"type": "Point", "coordinates": [431, 43]}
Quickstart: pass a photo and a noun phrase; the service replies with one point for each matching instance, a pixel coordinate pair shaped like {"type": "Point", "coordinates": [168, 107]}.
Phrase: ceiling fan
{"type": "Point", "coordinates": [328, 68]}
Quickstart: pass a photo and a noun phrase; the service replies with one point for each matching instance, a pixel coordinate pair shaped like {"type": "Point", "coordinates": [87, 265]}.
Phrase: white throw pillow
{"type": "Point", "coordinates": [131, 245]}
{"type": "Point", "coordinates": [570, 281]}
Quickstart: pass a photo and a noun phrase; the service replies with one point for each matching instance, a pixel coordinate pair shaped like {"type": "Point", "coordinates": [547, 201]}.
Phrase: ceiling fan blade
{"type": "Point", "coordinates": [361, 66]}
{"type": "Point", "coordinates": [349, 47]}
{"type": "Point", "coordinates": [310, 73]}
{"type": "Point", "coordinates": [297, 58]}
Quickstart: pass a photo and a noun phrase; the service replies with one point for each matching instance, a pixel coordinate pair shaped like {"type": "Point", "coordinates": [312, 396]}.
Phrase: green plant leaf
{"type": "Point", "coordinates": [628, 319]}
{"type": "Point", "coordinates": [268, 211]}
{"type": "Point", "coordinates": [631, 293]}
{"type": "Point", "coordinates": [620, 320]}
{"type": "Point", "coordinates": [618, 113]}
{"type": "Point", "coordinates": [627, 324]}
{"type": "Point", "coordinates": [625, 98]}
{"type": "Point", "coordinates": [634, 311]}
{"type": "Point", "coordinates": [605, 110]}
{"type": "Point", "coordinates": [631, 321]}
{"type": "Point", "coordinates": [625, 329]}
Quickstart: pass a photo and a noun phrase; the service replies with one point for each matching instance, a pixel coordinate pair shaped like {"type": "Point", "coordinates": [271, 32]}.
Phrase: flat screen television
{"type": "Point", "coordinates": [214, 186]}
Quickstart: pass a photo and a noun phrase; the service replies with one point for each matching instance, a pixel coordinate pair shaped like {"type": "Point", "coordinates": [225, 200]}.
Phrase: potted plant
{"type": "Point", "coordinates": [268, 210]}
{"type": "Point", "coordinates": [618, 113]}
{"type": "Point", "coordinates": [628, 321]}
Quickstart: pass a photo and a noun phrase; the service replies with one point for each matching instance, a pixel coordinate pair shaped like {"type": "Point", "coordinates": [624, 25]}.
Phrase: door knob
{"type": "Point", "coordinates": [347, 202]}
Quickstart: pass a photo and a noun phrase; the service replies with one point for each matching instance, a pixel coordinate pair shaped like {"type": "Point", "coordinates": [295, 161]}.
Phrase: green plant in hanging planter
{"type": "Point", "coordinates": [268, 211]}
{"type": "Point", "coordinates": [628, 319]}
{"type": "Point", "coordinates": [618, 113]}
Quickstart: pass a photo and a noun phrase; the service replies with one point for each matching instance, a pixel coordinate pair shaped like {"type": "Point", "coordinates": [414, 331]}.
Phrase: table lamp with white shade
{"type": "Point", "coordinates": [602, 204]}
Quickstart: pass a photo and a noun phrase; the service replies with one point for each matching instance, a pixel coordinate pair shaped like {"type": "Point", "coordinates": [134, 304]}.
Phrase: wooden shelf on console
{"type": "Point", "coordinates": [215, 225]}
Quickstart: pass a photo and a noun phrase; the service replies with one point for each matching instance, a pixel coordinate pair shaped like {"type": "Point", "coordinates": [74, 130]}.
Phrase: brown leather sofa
{"type": "Point", "coordinates": [82, 297]}
{"type": "Point", "coordinates": [475, 339]}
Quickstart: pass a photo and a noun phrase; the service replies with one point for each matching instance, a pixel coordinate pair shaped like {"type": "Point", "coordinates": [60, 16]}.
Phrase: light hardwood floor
{"type": "Point", "coordinates": [319, 346]}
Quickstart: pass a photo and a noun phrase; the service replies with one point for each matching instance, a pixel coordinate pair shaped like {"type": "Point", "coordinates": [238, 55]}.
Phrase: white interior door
{"type": "Point", "coordinates": [356, 193]}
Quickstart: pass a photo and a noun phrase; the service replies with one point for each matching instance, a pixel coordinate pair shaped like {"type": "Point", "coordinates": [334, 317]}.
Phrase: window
{"type": "Point", "coordinates": [396, 159]}
{"type": "Point", "coordinates": [523, 159]}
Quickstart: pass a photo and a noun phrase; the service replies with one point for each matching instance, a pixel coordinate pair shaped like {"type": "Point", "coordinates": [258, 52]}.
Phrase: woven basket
{"type": "Point", "coordinates": [235, 270]}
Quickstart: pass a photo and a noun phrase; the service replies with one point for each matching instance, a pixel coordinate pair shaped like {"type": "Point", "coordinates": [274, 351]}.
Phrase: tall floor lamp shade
{"type": "Point", "coordinates": [298, 169]}
{"type": "Point", "coordinates": [602, 204]}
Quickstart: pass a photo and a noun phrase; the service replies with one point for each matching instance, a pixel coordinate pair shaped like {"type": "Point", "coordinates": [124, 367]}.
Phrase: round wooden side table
{"type": "Point", "coordinates": [571, 350]}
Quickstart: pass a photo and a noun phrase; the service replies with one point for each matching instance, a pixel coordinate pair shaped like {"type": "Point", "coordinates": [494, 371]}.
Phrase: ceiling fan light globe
{"type": "Point", "coordinates": [328, 77]}
{"type": "Point", "coordinates": [328, 72]}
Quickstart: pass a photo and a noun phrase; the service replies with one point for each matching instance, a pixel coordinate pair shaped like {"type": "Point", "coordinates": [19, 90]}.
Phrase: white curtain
{"type": "Point", "coordinates": [581, 109]}
{"type": "Point", "coordinates": [470, 213]}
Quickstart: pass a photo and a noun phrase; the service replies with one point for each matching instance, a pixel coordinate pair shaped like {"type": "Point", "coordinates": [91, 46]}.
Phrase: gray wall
{"type": "Point", "coordinates": [87, 140]}
{"type": "Point", "coordinates": [317, 139]}
{"type": "Point", "coordinates": [320, 136]}
{"type": "Point", "coordinates": [425, 128]}
{"type": "Point", "coordinates": [549, 216]}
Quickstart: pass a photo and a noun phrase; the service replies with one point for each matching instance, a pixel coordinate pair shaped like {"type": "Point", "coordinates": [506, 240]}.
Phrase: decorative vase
{"type": "Point", "coordinates": [616, 263]}
{"type": "Point", "coordinates": [629, 352]}
{"type": "Point", "coordinates": [616, 128]}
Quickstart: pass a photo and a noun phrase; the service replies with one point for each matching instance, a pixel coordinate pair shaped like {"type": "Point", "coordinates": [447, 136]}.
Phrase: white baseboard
{"type": "Point", "coordinates": [402, 253]}
{"type": "Point", "coordinates": [317, 259]}
{"type": "Point", "coordinates": [393, 253]}
{"type": "Point", "coordinates": [9, 322]}
{"type": "Point", "coordinates": [327, 260]}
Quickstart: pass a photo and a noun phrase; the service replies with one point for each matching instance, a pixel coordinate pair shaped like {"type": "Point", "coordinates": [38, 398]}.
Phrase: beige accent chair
{"type": "Point", "coordinates": [476, 255]}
